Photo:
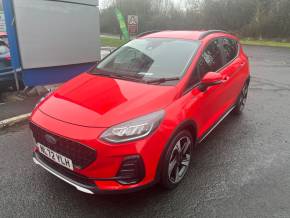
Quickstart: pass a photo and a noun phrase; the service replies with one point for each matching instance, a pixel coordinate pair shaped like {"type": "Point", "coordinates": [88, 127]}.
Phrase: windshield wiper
{"type": "Point", "coordinates": [133, 77]}
{"type": "Point", "coordinates": [130, 77]}
{"type": "Point", "coordinates": [104, 74]}
{"type": "Point", "coordinates": [162, 80]}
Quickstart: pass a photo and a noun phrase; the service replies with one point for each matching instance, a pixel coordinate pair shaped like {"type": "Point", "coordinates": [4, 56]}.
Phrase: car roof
{"type": "Point", "coordinates": [188, 35]}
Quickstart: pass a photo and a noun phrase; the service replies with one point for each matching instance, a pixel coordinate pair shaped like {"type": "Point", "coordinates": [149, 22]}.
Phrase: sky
{"type": "Point", "coordinates": [103, 2]}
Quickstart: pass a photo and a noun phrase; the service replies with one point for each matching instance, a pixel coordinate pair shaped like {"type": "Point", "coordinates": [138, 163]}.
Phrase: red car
{"type": "Point", "coordinates": [134, 119]}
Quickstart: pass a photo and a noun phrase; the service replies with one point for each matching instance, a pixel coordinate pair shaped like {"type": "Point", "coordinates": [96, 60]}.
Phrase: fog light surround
{"type": "Point", "coordinates": [131, 171]}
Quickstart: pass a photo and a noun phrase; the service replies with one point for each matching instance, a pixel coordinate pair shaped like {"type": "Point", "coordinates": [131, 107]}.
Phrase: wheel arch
{"type": "Point", "coordinates": [189, 125]}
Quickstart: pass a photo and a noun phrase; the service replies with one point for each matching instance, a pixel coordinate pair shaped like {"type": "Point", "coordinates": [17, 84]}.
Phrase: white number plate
{"type": "Point", "coordinates": [58, 158]}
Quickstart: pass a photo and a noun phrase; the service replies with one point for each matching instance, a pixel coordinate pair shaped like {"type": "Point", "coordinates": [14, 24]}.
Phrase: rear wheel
{"type": "Point", "coordinates": [177, 159]}
{"type": "Point", "coordinates": [240, 105]}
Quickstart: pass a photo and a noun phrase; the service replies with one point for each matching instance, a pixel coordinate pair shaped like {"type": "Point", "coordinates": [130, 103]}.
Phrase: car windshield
{"type": "Point", "coordinates": [150, 58]}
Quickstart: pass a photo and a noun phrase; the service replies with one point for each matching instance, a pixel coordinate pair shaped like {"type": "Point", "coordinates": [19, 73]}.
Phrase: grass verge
{"type": "Point", "coordinates": [265, 43]}
{"type": "Point", "coordinates": [112, 42]}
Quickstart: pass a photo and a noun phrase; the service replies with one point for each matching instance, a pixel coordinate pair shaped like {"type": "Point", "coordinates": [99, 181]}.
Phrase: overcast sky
{"type": "Point", "coordinates": [103, 2]}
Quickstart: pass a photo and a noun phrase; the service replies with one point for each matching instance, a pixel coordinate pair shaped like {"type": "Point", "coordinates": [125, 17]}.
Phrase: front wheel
{"type": "Point", "coordinates": [177, 159]}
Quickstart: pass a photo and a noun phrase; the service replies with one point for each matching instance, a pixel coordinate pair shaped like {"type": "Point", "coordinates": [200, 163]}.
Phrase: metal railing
{"type": "Point", "coordinates": [15, 74]}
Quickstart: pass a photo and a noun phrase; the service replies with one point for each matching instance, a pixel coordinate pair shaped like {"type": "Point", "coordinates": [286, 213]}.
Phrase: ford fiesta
{"type": "Point", "coordinates": [134, 119]}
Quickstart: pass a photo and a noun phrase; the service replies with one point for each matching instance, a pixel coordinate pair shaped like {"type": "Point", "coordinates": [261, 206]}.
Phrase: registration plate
{"type": "Point", "coordinates": [56, 157]}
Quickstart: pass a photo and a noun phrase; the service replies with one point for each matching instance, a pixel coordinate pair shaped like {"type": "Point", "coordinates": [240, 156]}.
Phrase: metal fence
{"type": "Point", "coordinates": [14, 73]}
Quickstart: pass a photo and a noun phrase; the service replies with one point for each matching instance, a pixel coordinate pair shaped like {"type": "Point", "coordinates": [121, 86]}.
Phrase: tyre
{"type": "Point", "coordinates": [177, 159]}
{"type": "Point", "coordinates": [240, 105]}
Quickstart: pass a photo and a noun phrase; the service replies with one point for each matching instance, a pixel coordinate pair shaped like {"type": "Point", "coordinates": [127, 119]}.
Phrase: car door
{"type": "Point", "coordinates": [233, 64]}
{"type": "Point", "coordinates": [207, 106]}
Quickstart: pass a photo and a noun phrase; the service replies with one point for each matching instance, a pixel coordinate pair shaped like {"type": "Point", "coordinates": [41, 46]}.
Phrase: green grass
{"type": "Point", "coordinates": [265, 43]}
{"type": "Point", "coordinates": [115, 42]}
{"type": "Point", "coordinates": [112, 42]}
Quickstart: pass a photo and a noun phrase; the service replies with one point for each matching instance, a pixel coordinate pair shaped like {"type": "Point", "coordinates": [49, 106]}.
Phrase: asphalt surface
{"type": "Point", "coordinates": [14, 108]}
{"type": "Point", "coordinates": [241, 170]}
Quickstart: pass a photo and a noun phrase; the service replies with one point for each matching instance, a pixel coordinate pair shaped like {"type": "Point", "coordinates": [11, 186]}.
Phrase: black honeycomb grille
{"type": "Point", "coordinates": [81, 155]}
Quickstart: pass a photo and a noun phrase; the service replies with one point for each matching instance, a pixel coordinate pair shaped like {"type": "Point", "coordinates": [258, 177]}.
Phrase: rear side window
{"type": "Point", "coordinates": [230, 49]}
{"type": "Point", "coordinates": [211, 59]}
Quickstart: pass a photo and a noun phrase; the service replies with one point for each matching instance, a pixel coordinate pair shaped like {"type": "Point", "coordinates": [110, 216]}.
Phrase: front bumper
{"type": "Point", "coordinates": [90, 189]}
{"type": "Point", "coordinates": [103, 175]}
{"type": "Point", "coordinates": [81, 183]}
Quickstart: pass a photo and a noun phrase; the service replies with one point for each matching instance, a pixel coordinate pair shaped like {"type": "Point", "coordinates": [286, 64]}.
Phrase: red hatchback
{"type": "Point", "coordinates": [134, 119]}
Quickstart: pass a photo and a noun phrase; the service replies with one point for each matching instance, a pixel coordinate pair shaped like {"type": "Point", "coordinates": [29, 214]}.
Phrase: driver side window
{"type": "Point", "coordinates": [211, 59]}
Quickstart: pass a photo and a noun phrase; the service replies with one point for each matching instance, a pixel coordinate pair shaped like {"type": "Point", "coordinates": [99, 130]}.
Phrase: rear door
{"type": "Point", "coordinates": [233, 64]}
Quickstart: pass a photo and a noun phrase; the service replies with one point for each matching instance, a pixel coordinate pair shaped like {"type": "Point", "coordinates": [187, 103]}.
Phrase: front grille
{"type": "Point", "coordinates": [81, 155]}
{"type": "Point", "coordinates": [65, 172]}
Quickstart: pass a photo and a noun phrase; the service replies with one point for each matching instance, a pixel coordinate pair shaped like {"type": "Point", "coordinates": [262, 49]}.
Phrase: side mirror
{"type": "Point", "coordinates": [210, 79]}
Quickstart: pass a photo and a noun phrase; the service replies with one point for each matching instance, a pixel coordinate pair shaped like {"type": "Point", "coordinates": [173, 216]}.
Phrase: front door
{"type": "Point", "coordinates": [209, 104]}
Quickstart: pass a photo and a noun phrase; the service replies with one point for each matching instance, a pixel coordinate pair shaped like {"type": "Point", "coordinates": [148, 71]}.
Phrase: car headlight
{"type": "Point", "coordinates": [133, 129]}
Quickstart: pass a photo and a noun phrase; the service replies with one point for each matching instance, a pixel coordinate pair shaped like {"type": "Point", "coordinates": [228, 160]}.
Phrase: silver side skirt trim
{"type": "Point", "coordinates": [217, 123]}
{"type": "Point", "coordinates": [60, 177]}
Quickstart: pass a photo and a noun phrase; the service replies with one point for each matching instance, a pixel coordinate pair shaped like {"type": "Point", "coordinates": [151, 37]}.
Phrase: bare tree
{"type": "Point", "coordinates": [256, 18]}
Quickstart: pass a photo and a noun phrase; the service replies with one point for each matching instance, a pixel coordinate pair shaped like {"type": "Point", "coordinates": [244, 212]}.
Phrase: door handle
{"type": "Point", "coordinates": [225, 78]}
